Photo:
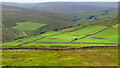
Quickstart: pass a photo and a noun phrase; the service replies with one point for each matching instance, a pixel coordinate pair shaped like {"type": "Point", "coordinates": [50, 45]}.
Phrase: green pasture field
{"type": "Point", "coordinates": [108, 36]}
{"type": "Point", "coordinates": [13, 43]}
{"type": "Point", "coordinates": [32, 38]}
{"type": "Point", "coordinates": [28, 26]}
{"type": "Point", "coordinates": [67, 37]}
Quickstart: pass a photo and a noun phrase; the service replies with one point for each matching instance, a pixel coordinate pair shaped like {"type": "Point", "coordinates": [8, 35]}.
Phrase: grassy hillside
{"type": "Point", "coordinates": [9, 34]}
{"type": "Point", "coordinates": [92, 16]}
{"type": "Point", "coordinates": [94, 32]}
{"type": "Point", "coordinates": [12, 15]}
{"type": "Point", "coordinates": [33, 37]}
{"type": "Point", "coordinates": [16, 14]}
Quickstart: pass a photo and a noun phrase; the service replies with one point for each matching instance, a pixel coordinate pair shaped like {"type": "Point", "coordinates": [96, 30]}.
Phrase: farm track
{"type": "Point", "coordinates": [57, 49]}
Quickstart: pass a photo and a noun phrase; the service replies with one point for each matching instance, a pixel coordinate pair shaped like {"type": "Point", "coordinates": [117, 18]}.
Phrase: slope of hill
{"type": "Point", "coordinates": [39, 38]}
{"type": "Point", "coordinates": [9, 34]}
{"type": "Point", "coordinates": [94, 32]}
{"type": "Point", "coordinates": [68, 7]}
{"type": "Point", "coordinates": [16, 14]}
{"type": "Point", "coordinates": [91, 16]}
{"type": "Point", "coordinates": [13, 15]}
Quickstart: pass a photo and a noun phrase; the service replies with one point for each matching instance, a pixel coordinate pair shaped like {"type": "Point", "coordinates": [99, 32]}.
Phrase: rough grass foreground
{"type": "Point", "coordinates": [80, 57]}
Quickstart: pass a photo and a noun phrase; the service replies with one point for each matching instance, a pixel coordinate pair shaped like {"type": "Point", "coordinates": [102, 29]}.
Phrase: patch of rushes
{"type": "Point", "coordinates": [61, 58]}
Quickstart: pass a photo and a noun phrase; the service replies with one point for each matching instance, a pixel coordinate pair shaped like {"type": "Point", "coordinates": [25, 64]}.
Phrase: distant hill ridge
{"type": "Point", "coordinates": [67, 7]}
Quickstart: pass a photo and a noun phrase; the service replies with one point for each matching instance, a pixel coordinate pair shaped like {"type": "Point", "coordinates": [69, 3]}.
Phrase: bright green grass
{"type": "Point", "coordinates": [67, 37]}
{"type": "Point", "coordinates": [50, 33]}
{"type": "Point", "coordinates": [29, 39]}
{"type": "Point", "coordinates": [28, 26]}
{"type": "Point", "coordinates": [57, 38]}
{"type": "Point", "coordinates": [87, 30]}
{"type": "Point", "coordinates": [116, 26]}
{"type": "Point", "coordinates": [109, 36]}
{"type": "Point", "coordinates": [13, 43]}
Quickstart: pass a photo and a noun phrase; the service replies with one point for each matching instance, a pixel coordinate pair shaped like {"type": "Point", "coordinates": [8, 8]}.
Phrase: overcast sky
{"type": "Point", "coordinates": [33, 1]}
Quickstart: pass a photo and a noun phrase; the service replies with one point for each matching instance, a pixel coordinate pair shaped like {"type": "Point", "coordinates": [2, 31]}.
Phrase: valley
{"type": "Point", "coordinates": [42, 34]}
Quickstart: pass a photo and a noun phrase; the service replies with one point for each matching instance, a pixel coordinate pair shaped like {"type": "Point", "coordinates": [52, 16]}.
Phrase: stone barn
{"type": "Point", "coordinates": [75, 38]}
